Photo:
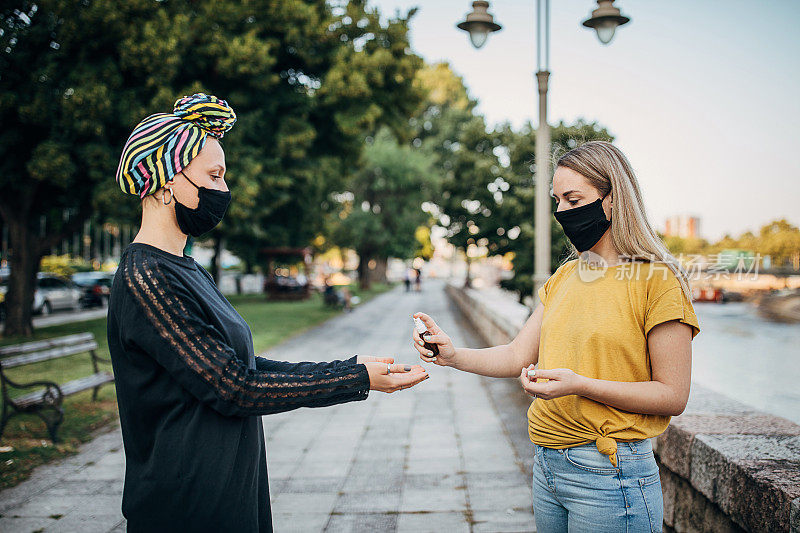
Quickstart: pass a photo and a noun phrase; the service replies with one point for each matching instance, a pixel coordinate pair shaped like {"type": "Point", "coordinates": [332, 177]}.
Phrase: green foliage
{"type": "Point", "coordinates": [488, 192]}
{"type": "Point", "coordinates": [517, 210]}
{"type": "Point", "coordinates": [464, 155]}
{"type": "Point", "coordinates": [307, 78]}
{"type": "Point", "coordinates": [340, 74]}
{"type": "Point", "coordinates": [64, 265]}
{"type": "Point", "coordinates": [381, 207]}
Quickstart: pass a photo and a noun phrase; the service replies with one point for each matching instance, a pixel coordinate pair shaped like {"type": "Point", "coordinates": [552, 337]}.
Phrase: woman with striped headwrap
{"type": "Point", "coordinates": [190, 389]}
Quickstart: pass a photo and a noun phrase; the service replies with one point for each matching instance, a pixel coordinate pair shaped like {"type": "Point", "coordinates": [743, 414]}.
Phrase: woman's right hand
{"type": "Point", "coordinates": [447, 352]}
{"type": "Point", "coordinates": [400, 377]}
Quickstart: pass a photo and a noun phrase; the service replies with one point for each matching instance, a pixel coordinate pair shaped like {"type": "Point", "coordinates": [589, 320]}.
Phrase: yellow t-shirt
{"type": "Point", "coordinates": [596, 323]}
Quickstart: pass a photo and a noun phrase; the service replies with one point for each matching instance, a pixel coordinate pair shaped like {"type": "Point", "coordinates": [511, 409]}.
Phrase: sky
{"type": "Point", "coordinates": [702, 97]}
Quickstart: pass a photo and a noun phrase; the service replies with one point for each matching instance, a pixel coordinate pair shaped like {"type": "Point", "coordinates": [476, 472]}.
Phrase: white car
{"type": "Point", "coordinates": [53, 293]}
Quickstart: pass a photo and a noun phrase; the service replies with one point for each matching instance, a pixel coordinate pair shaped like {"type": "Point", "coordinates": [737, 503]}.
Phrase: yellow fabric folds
{"type": "Point", "coordinates": [596, 322]}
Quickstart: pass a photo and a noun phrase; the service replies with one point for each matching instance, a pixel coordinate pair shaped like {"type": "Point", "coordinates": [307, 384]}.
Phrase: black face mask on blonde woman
{"type": "Point", "coordinates": [584, 225]}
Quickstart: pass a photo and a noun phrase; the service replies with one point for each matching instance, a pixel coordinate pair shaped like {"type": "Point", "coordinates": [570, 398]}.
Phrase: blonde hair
{"type": "Point", "coordinates": [607, 169]}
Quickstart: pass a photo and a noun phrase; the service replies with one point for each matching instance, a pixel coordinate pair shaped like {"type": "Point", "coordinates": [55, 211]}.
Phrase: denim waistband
{"type": "Point", "coordinates": [636, 447]}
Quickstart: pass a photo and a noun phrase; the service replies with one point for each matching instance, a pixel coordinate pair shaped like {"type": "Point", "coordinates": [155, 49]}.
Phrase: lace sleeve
{"type": "Point", "coordinates": [163, 320]}
{"type": "Point", "coordinates": [270, 365]}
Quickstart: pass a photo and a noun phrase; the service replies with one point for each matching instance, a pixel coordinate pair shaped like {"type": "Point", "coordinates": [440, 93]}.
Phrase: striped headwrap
{"type": "Point", "coordinates": [163, 144]}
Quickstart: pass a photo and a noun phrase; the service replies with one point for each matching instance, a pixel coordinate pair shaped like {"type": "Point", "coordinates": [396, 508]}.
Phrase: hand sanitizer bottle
{"type": "Point", "coordinates": [422, 330]}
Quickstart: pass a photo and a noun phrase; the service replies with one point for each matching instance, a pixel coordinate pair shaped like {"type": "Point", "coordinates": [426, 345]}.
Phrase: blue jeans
{"type": "Point", "coordinates": [578, 489]}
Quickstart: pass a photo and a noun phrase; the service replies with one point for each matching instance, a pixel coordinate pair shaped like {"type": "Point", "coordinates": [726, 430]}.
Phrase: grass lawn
{"type": "Point", "coordinates": [25, 441]}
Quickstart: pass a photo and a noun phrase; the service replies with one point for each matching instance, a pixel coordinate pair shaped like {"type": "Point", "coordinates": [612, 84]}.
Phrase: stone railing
{"type": "Point", "coordinates": [724, 466]}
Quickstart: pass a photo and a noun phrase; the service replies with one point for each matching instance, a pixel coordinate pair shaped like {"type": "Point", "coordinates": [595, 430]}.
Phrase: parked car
{"type": "Point", "coordinates": [54, 292]}
{"type": "Point", "coordinates": [95, 287]}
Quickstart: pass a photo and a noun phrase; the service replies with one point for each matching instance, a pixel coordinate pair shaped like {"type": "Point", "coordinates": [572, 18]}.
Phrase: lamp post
{"type": "Point", "coordinates": [479, 24]}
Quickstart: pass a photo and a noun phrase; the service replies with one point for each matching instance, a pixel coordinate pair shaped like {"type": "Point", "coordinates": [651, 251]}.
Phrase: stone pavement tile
{"type": "Point", "coordinates": [432, 453]}
{"type": "Point", "coordinates": [437, 465]}
{"type": "Point", "coordinates": [84, 523]}
{"type": "Point", "coordinates": [47, 504]}
{"type": "Point", "coordinates": [100, 486]}
{"type": "Point", "coordinates": [280, 468]}
{"type": "Point", "coordinates": [486, 480]}
{"type": "Point", "coordinates": [382, 450]}
{"type": "Point", "coordinates": [494, 521]}
{"type": "Point", "coordinates": [383, 482]}
{"type": "Point", "coordinates": [432, 523]}
{"type": "Point", "coordinates": [276, 487]}
{"type": "Point", "coordinates": [24, 525]}
{"type": "Point", "coordinates": [312, 467]}
{"type": "Point", "coordinates": [367, 502]}
{"type": "Point", "coordinates": [283, 453]}
{"type": "Point", "coordinates": [419, 500]}
{"type": "Point", "coordinates": [490, 464]}
{"type": "Point", "coordinates": [302, 504]}
{"type": "Point", "coordinates": [361, 523]}
{"type": "Point", "coordinates": [95, 472]}
{"type": "Point", "coordinates": [122, 527]}
{"type": "Point", "coordinates": [301, 485]}
{"type": "Point", "coordinates": [440, 433]}
{"type": "Point", "coordinates": [296, 522]}
{"type": "Point", "coordinates": [387, 432]}
{"type": "Point", "coordinates": [500, 499]}
{"type": "Point", "coordinates": [433, 481]}
{"type": "Point", "coordinates": [50, 475]}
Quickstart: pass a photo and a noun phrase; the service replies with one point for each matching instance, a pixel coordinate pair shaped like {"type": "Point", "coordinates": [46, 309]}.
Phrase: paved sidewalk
{"type": "Point", "coordinates": [448, 455]}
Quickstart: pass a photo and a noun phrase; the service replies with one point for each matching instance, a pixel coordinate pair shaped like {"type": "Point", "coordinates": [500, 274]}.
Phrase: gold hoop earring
{"type": "Point", "coordinates": [164, 197]}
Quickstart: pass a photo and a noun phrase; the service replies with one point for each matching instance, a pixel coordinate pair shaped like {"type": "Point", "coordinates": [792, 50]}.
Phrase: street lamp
{"type": "Point", "coordinates": [479, 23]}
{"type": "Point", "coordinates": [605, 20]}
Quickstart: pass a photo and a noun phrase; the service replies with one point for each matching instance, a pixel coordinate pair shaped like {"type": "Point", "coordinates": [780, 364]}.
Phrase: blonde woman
{"type": "Point", "coordinates": [611, 343]}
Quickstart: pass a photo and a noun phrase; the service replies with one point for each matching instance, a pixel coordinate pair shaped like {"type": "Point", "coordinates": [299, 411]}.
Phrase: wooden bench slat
{"type": "Point", "coordinates": [71, 387]}
{"type": "Point", "coordinates": [53, 353]}
{"type": "Point", "coordinates": [33, 346]}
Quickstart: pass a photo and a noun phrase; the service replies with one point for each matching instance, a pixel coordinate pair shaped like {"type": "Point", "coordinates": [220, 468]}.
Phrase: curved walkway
{"type": "Point", "coordinates": [449, 455]}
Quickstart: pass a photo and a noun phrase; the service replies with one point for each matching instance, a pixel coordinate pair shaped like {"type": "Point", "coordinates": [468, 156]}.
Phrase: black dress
{"type": "Point", "coordinates": [191, 391]}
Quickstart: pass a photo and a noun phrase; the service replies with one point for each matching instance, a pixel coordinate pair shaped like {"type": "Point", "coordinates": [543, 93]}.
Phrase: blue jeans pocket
{"type": "Point", "coordinates": [653, 500]}
{"type": "Point", "coordinates": [590, 459]}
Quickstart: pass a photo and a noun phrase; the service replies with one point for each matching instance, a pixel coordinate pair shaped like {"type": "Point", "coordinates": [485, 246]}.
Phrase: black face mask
{"type": "Point", "coordinates": [584, 225]}
{"type": "Point", "coordinates": [208, 213]}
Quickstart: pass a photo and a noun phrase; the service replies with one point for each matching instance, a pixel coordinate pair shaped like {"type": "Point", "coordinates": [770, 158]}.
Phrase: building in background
{"type": "Point", "coordinates": [685, 226]}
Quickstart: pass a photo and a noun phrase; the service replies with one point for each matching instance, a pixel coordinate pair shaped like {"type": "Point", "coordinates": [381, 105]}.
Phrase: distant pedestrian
{"type": "Point", "coordinates": [417, 280]}
{"type": "Point", "coordinates": [190, 390]}
{"type": "Point", "coordinates": [407, 280]}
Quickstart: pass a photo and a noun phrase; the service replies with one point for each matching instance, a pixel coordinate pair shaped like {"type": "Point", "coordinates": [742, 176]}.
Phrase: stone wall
{"type": "Point", "coordinates": [724, 466]}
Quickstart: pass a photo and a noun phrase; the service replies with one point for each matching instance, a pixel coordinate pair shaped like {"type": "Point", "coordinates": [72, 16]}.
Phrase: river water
{"type": "Point", "coordinates": [748, 358]}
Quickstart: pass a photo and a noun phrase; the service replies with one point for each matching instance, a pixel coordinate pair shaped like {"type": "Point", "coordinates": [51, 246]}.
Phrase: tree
{"type": "Point", "coordinates": [464, 155]}
{"type": "Point", "coordinates": [515, 219]}
{"type": "Point", "coordinates": [340, 75]}
{"type": "Point", "coordinates": [780, 240]}
{"type": "Point", "coordinates": [381, 208]}
{"type": "Point", "coordinates": [65, 101]}
{"type": "Point", "coordinates": [306, 78]}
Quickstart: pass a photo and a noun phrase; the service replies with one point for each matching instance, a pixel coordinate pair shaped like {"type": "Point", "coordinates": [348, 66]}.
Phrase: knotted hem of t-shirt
{"type": "Point", "coordinates": [608, 446]}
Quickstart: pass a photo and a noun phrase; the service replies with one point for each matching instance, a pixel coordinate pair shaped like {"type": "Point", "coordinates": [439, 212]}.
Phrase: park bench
{"type": "Point", "coordinates": [46, 402]}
